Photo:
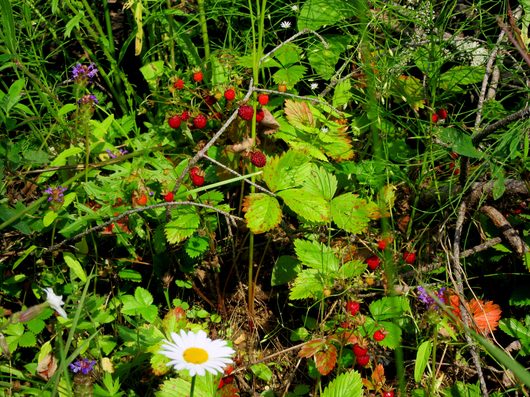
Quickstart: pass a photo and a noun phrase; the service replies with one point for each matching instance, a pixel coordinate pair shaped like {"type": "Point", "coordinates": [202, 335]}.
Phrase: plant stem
{"type": "Point", "coordinates": [204, 30]}
{"type": "Point", "coordinates": [192, 388]}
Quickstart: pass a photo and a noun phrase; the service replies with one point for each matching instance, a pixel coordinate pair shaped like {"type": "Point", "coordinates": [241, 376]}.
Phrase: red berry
{"type": "Point", "coordinates": [353, 307]}
{"type": "Point", "coordinates": [388, 393]}
{"type": "Point", "coordinates": [169, 196]}
{"type": "Point", "coordinates": [379, 335]}
{"type": "Point", "coordinates": [381, 244]}
{"type": "Point", "coordinates": [373, 262]}
{"type": "Point", "coordinates": [195, 170]}
{"type": "Point", "coordinates": [230, 94]}
{"type": "Point", "coordinates": [185, 115]}
{"type": "Point", "coordinates": [210, 100]}
{"type": "Point", "coordinates": [200, 121]}
{"type": "Point", "coordinates": [174, 121]}
{"type": "Point", "coordinates": [260, 115]}
{"type": "Point", "coordinates": [359, 351]}
{"type": "Point", "coordinates": [263, 99]}
{"type": "Point", "coordinates": [179, 84]}
{"type": "Point", "coordinates": [198, 76]}
{"type": "Point", "coordinates": [454, 155]}
{"type": "Point", "coordinates": [434, 118]}
{"type": "Point", "coordinates": [363, 360]}
{"type": "Point", "coordinates": [409, 257]}
{"type": "Point", "coordinates": [197, 176]}
{"type": "Point", "coordinates": [258, 158]}
{"type": "Point", "coordinates": [142, 199]}
{"type": "Point", "coordinates": [442, 113]}
{"type": "Point", "coordinates": [246, 112]}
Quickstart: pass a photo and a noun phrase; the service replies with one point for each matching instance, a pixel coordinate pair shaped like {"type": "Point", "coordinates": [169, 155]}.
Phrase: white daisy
{"type": "Point", "coordinates": [197, 353]}
{"type": "Point", "coordinates": [285, 24]}
{"type": "Point", "coordinates": [55, 301]}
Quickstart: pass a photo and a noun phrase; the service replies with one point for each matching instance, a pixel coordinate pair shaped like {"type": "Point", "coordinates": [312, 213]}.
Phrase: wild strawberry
{"type": "Point", "coordinates": [359, 351]}
{"type": "Point", "coordinates": [174, 121]}
{"type": "Point", "coordinates": [197, 176]}
{"type": "Point", "coordinates": [263, 99]}
{"type": "Point", "coordinates": [198, 76]}
{"type": "Point", "coordinates": [195, 170]}
{"type": "Point", "coordinates": [185, 115]}
{"type": "Point", "coordinates": [442, 113]}
{"type": "Point", "coordinates": [381, 244]}
{"type": "Point", "coordinates": [258, 158]}
{"type": "Point", "coordinates": [388, 393]}
{"type": "Point", "coordinates": [169, 196]}
{"type": "Point", "coordinates": [210, 100]}
{"type": "Point", "coordinates": [282, 87]}
{"type": "Point", "coordinates": [454, 155]}
{"type": "Point", "coordinates": [200, 121]}
{"type": "Point", "coordinates": [179, 84]}
{"type": "Point", "coordinates": [230, 94]}
{"type": "Point", "coordinates": [373, 262]}
{"type": "Point", "coordinates": [363, 360]}
{"type": "Point", "coordinates": [142, 199]}
{"type": "Point", "coordinates": [260, 115]}
{"type": "Point", "coordinates": [246, 112]}
{"type": "Point", "coordinates": [379, 335]}
{"type": "Point", "coordinates": [435, 118]}
{"type": "Point", "coordinates": [409, 257]}
{"type": "Point", "coordinates": [353, 307]}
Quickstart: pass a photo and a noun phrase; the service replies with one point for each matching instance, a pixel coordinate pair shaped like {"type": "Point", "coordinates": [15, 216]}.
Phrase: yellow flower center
{"type": "Point", "coordinates": [195, 355]}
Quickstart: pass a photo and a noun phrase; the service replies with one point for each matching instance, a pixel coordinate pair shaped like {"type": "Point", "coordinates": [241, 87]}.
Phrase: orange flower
{"type": "Point", "coordinates": [486, 315]}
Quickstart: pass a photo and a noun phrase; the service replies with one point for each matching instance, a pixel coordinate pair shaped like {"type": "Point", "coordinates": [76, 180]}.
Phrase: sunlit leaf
{"type": "Point", "coordinates": [262, 212]}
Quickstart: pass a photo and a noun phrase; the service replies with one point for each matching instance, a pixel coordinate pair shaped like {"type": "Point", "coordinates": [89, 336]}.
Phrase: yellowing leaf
{"type": "Point", "coordinates": [299, 114]}
{"type": "Point", "coordinates": [263, 212]}
{"type": "Point", "coordinates": [325, 360]}
{"type": "Point", "coordinates": [311, 348]}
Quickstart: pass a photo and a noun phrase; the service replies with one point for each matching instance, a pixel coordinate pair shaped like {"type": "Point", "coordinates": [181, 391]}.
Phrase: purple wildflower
{"type": "Point", "coordinates": [121, 152]}
{"type": "Point", "coordinates": [83, 365]}
{"type": "Point", "coordinates": [56, 193]}
{"type": "Point", "coordinates": [81, 73]}
{"type": "Point", "coordinates": [88, 99]}
{"type": "Point", "coordinates": [429, 301]}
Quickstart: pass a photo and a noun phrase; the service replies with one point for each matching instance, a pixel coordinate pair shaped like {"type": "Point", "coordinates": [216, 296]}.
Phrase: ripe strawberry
{"type": "Point", "coordinates": [197, 176]}
{"type": "Point", "coordinates": [379, 335]}
{"type": "Point", "coordinates": [409, 257]}
{"type": "Point", "coordinates": [359, 351]}
{"type": "Point", "coordinates": [435, 118]}
{"type": "Point", "coordinates": [260, 115]}
{"type": "Point", "coordinates": [442, 113]}
{"type": "Point", "coordinates": [200, 121]}
{"type": "Point", "coordinates": [373, 262]}
{"type": "Point", "coordinates": [263, 99]}
{"type": "Point", "coordinates": [169, 196]}
{"type": "Point", "coordinates": [174, 121]}
{"type": "Point", "coordinates": [195, 170]}
{"type": "Point", "coordinates": [381, 244]}
{"type": "Point", "coordinates": [282, 87]}
{"type": "Point", "coordinates": [353, 307]}
{"type": "Point", "coordinates": [142, 199]}
{"type": "Point", "coordinates": [388, 393]}
{"type": "Point", "coordinates": [246, 112]}
{"type": "Point", "coordinates": [363, 360]}
{"type": "Point", "coordinates": [210, 100]}
{"type": "Point", "coordinates": [258, 158]}
{"type": "Point", "coordinates": [185, 115]}
{"type": "Point", "coordinates": [230, 94]}
{"type": "Point", "coordinates": [198, 76]}
{"type": "Point", "coordinates": [179, 84]}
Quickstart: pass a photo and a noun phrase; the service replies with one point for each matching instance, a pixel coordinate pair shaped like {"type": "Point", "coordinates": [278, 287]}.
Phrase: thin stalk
{"type": "Point", "coordinates": [108, 26]}
{"type": "Point", "coordinates": [171, 40]}
{"type": "Point", "coordinates": [192, 388]}
{"type": "Point", "coordinates": [204, 30]}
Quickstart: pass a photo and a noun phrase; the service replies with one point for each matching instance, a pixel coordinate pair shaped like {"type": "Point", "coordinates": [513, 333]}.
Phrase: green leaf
{"type": "Point", "coordinates": [460, 75]}
{"type": "Point", "coordinates": [352, 269]}
{"type": "Point", "coordinates": [459, 141]}
{"type": "Point", "coordinates": [317, 256]}
{"type": "Point", "coordinates": [290, 76]}
{"type": "Point", "coordinates": [143, 296]}
{"type": "Point", "coordinates": [389, 307]}
{"type": "Point", "coordinates": [49, 217]}
{"type": "Point", "coordinates": [183, 225]}
{"type": "Point", "coordinates": [284, 270]}
{"type": "Point", "coordinates": [351, 213]}
{"type": "Point", "coordinates": [262, 371]}
{"type": "Point", "coordinates": [517, 330]}
{"type": "Point", "coordinates": [422, 359]}
{"type": "Point", "coordinates": [317, 13]}
{"type": "Point", "coordinates": [131, 275]}
{"type": "Point", "coordinates": [75, 266]}
{"type": "Point", "coordinates": [288, 54]}
{"type": "Point", "coordinates": [288, 171]}
{"type": "Point", "coordinates": [28, 339]}
{"type": "Point", "coordinates": [342, 93]}
{"type": "Point", "coordinates": [69, 107]}
{"type": "Point", "coordinates": [323, 59]}
{"type": "Point", "coordinates": [307, 205]}
{"type": "Point", "coordinates": [73, 23]}
{"type": "Point", "coordinates": [196, 246]}
{"type": "Point", "coordinates": [152, 71]}
{"type": "Point", "coordinates": [346, 384]}
{"type": "Point", "coordinates": [309, 283]}
{"type": "Point", "coordinates": [321, 182]}
{"type": "Point", "coordinates": [13, 95]}
{"type": "Point", "coordinates": [262, 212]}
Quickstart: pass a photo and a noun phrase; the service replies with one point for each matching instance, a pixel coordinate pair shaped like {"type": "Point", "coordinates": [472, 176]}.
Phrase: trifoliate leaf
{"type": "Point", "coordinates": [317, 256]}
{"type": "Point", "coordinates": [352, 213]}
{"type": "Point", "coordinates": [288, 171]}
{"type": "Point", "coordinates": [309, 283]}
{"type": "Point", "coordinates": [307, 205]}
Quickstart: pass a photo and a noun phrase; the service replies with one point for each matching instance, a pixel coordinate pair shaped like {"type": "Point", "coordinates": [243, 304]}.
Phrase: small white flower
{"type": "Point", "coordinates": [285, 24]}
{"type": "Point", "coordinates": [55, 301]}
{"type": "Point", "coordinates": [197, 353]}
{"type": "Point", "coordinates": [294, 7]}
{"type": "Point", "coordinates": [314, 86]}
{"type": "Point", "coordinates": [324, 129]}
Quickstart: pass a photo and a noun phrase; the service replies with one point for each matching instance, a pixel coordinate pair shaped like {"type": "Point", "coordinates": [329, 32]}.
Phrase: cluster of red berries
{"type": "Point", "coordinates": [441, 114]}
{"type": "Point", "coordinates": [246, 112]}
{"type": "Point", "coordinates": [196, 176]}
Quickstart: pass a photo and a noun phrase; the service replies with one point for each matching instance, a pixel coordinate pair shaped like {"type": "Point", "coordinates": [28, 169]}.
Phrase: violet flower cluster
{"type": "Point", "coordinates": [121, 152]}
{"type": "Point", "coordinates": [83, 73]}
{"type": "Point", "coordinates": [88, 99]}
{"type": "Point", "coordinates": [56, 194]}
{"type": "Point", "coordinates": [429, 301]}
{"type": "Point", "coordinates": [83, 365]}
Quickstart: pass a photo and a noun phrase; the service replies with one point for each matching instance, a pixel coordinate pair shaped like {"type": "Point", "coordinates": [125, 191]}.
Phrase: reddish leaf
{"type": "Point", "coordinates": [378, 376]}
{"type": "Point", "coordinates": [325, 360]}
{"type": "Point", "coordinates": [311, 348]}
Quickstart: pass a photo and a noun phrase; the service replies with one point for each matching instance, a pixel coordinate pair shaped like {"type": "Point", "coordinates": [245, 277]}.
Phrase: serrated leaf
{"type": "Point", "coordinates": [351, 213]}
{"type": "Point", "coordinates": [284, 270]}
{"type": "Point", "coordinates": [346, 384]}
{"type": "Point", "coordinates": [342, 93]}
{"type": "Point", "coordinates": [311, 348]}
{"type": "Point", "coordinates": [289, 76]}
{"type": "Point", "coordinates": [182, 227]}
{"type": "Point", "coordinates": [288, 54]}
{"type": "Point", "coordinates": [321, 182]}
{"type": "Point", "coordinates": [325, 360]}
{"type": "Point", "coordinates": [143, 296]}
{"type": "Point", "coordinates": [262, 212]}
{"type": "Point", "coordinates": [422, 359]}
{"type": "Point", "coordinates": [298, 114]}
{"type": "Point", "coordinates": [316, 255]}
{"type": "Point", "coordinates": [351, 269]}
{"type": "Point", "coordinates": [389, 307]}
{"type": "Point", "coordinates": [196, 246]}
{"type": "Point", "coordinates": [36, 325]}
{"type": "Point", "coordinates": [75, 266]}
{"type": "Point", "coordinates": [288, 171]}
{"type": "Point", "coordinates": [460, 75]}
{"type": "Point", "coordinates": [307, 205]}
{"type": "Point", "coordinates": [309, 283]}
{"type": "Point", "coordinates": [28, 339]}
{"type": "Point", "coordinates": [317, 13]}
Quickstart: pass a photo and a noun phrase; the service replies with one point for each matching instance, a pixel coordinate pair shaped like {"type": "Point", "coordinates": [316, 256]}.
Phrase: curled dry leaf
{"type": "Point", "coordinates": [47, 367]}
{"type": "Point", "coordinates": [268, 125]}
{"type": "Point", "coordinates": [245, 144]}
